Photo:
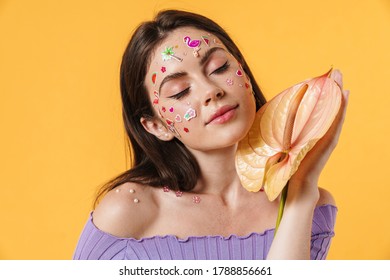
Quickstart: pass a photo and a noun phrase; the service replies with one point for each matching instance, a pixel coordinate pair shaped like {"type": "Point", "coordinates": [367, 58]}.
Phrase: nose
{"type": "Point", "coordinates": [213, 93]}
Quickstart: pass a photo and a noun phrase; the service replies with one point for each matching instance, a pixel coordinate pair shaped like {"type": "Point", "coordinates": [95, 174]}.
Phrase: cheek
{"type": "Point", "coordinates": [242, 80]}
{"type": "Point", "coordinates": [178, 116]}
{"type": "Point", "coordinates": [236, 78]}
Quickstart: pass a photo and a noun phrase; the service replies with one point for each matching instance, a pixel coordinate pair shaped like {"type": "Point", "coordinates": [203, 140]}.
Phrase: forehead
{"type": "Point", "coordinates": [181, 45]}
{"type": "Point", "coordinates": [178, 52]}
{"type": "Point", "coordinates": [179, 34]}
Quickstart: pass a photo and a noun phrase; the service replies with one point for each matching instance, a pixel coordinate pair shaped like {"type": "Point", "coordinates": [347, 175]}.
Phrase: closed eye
{"type": "Point", "coordinates": [221, 69]}
{"type": "Point", "coordinates": [180, 94]}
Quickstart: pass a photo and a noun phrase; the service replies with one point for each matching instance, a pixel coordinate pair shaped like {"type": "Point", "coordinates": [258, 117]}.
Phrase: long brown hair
{"type": "Point", "coordinates": [149, 154]}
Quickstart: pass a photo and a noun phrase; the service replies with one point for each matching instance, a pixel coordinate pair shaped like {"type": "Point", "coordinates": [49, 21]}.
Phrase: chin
{"type": "Point", "coordinates": [232, 136]}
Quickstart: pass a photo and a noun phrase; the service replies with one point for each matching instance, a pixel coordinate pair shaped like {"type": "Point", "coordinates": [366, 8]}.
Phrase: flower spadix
{"type": "Point", "coordinates": [284, 131]}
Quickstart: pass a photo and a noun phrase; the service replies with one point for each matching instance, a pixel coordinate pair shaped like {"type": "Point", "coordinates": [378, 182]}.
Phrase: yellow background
{"type": "Point", "coordinates": [60, 112]}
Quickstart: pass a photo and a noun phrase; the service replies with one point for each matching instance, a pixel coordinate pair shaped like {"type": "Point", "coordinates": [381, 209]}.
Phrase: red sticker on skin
{"type": "Point", "coordinates": [163, 109]}
{"type": "Point", "coordinates": [186, 130]}
{"type": "Point", "coordinates": [239, 73]}
{"type": "Point", "coordinates": [154, 76]}
{"type": "Point", "coordinates": [246, 85]}
{"type": "Point", "coordinates": [169, 122]}
{"type": "Point", "coordinates": [206, 40]}
{"type": "Point", "coordinates": [156, 95]}
{"type": "Point", "coordinates": [163, 69]}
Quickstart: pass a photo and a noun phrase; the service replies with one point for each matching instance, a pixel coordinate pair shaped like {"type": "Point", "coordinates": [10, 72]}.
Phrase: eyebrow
{"type": "Point", "coordinates": [208, 53]}
{"type": "Point", "coordinates": [171, 77]}
{"type": "Point", "coordinates": [177, 75]}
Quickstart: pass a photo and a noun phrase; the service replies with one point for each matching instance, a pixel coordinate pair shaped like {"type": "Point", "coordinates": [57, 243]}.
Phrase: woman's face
{"type": "Point", "coordinates": [200, 91]}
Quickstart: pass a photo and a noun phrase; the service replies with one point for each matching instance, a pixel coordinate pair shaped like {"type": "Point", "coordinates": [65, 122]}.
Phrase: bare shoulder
{"type": "Point", "coordinates": [326, 198]}
{"type": "Point", "coordinates": [126, 211]}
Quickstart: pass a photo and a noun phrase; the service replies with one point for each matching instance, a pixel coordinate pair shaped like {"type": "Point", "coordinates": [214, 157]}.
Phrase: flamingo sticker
{"type": "Point", "coordinates": [193, 44]}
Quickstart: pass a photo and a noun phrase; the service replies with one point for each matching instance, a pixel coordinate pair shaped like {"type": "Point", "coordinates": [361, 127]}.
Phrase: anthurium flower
{"type": "Point", "coordinates": [284, 131]}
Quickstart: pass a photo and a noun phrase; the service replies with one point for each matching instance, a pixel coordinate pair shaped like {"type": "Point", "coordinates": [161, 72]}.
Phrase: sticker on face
{"type": "Point", "coordinates": [154, 77]}
{"type": "Point", "coordinates": [239, 73]}
{"type": "Point", "coordinates": [229, 82]}
{"type": "Point", "coordinates": [171, 127]}
{"type": "Point", "coordinates": [217, 42]}
{"type": "Point", "coordinates": [178, 118]}
{"type": "Point", "coordinates": [193, 44]}
{"type": "Point", "coordinates": [190, 114]}
{"type": "Point", "coordinates": [156, 97]}
{"type": "Point", "coordinates": [168, 54]}
{"type": "Point", "coordinates": [206, 40]}
{"type": "Point", "coordinates": [163, 69]}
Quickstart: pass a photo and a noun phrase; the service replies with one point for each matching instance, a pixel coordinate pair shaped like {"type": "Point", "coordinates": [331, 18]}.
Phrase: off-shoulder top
{"type": "Point", "coordinates": [95, 244]}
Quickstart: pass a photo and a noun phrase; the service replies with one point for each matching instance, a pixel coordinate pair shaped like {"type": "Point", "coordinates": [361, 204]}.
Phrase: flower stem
{"type": "Point", "coordinates": [281, 207]}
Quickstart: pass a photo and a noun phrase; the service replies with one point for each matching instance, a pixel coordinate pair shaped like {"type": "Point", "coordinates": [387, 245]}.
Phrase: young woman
{"type": "Point", "coordinates": [188, 98]}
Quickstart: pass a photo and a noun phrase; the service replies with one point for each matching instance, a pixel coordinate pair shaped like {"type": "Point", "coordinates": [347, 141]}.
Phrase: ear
{"type": "Point", "coordinates": [155, 126]}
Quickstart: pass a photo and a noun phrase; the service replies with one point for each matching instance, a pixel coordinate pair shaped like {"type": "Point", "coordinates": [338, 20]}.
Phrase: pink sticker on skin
{"type": "Point", "coordinates": [163, 69]}
{"type": "Point", "coordinates": [154, 76]}
{"type": "Point", "coordinates": [196, 199]}
{"type": "Point", "coordinates": [191, 43]}
{"type": "Point", "coordinates": [190, 114]}
{"type": "Point", "coordinates": [171, 109]}
{"type": "Point", "coordinates": [178, 118]}
{"type": "Point", "coordinates": [239, 73]}
{"type": "Point", "coordinates": [179, 193]}
{"type": "Point", "coordinates": [166, 189]}
{"type": "Point", "coordinates": [229, 82]}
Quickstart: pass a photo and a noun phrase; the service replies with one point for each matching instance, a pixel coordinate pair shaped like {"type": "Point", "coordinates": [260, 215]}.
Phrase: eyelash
{"type": "Point", "coordinates": [181, 94]}
{"type": "Point", "coordinates": [219, 70]}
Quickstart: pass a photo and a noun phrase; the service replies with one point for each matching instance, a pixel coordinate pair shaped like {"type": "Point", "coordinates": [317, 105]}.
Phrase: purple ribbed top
{"type": "Point", "coordinates": [95, 244]}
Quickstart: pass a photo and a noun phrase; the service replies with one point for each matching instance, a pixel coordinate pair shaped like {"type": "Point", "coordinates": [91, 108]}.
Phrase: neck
{"type": "Point", "coordinates": [218, 173]}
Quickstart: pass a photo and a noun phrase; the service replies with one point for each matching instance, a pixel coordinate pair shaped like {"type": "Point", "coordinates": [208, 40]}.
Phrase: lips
{"type": "Point", "coordinates": [223, 114]}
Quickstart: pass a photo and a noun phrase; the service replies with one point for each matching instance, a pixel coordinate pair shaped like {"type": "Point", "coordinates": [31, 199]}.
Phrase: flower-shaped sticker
{"type": "Point", "coordinates": [284, 131]}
